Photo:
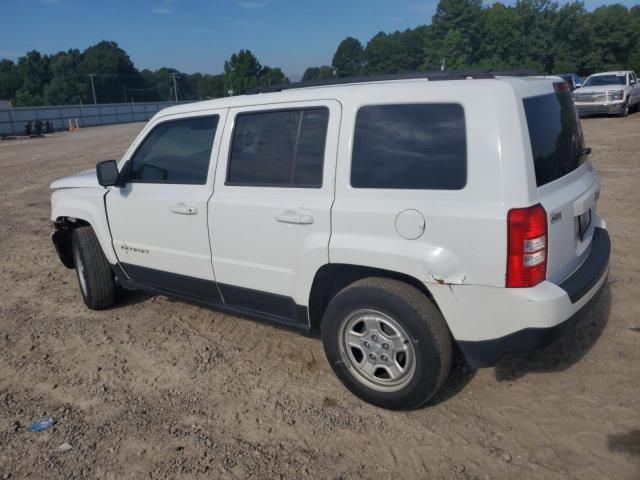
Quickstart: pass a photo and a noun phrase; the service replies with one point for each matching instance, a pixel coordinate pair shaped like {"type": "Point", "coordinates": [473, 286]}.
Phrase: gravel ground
{"type": "Point", "coordinates": [158, 388]}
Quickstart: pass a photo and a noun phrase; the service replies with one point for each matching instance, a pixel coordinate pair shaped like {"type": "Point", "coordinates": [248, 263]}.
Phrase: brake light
{"type": "Point", "coordinates": [561, 87]}
{"type": "Point", "coordinates": [526, 246]}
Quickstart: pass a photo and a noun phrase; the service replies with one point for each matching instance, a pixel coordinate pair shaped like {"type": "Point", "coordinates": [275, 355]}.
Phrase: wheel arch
{"type": "Point", "coordinates": [332, 278]}
{"type": "Point", "coordinates": [72, 208]}
{"type": "Point", "coordinates": [61, 237]}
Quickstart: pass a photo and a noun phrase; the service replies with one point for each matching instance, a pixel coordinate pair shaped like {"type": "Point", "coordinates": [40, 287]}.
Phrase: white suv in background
{"type": "Point", "coordinates": [395, 218]}
{"type": "Point", "coordinates": [613, 93]}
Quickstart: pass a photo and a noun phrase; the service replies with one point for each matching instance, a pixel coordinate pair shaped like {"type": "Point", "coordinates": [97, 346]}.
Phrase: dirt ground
{"type": "Point", "coordinates": [158, 388]}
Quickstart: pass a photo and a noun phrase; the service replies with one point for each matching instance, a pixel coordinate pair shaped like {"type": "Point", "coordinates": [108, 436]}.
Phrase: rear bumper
{"type": "Point", "coordinates": [539, 314]}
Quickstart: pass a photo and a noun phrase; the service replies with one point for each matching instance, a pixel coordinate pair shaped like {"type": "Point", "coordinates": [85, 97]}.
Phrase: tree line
{"type": "Point", "coordinates": [67, 77]}
{"type": "Point", "coordinates": [537, 35]}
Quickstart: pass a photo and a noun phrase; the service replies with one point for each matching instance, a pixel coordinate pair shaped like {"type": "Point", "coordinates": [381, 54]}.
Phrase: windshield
{"type": "Point", "coordinates": [619, 79]}
{"type": "Point", "coordinates": [555, 134]}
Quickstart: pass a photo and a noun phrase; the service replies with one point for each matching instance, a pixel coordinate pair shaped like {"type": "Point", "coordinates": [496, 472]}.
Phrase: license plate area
{"type": "Point", "coordinates": [582, 223]}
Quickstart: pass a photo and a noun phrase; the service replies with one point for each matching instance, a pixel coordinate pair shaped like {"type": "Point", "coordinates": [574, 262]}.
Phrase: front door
{"type": "Point", "coordinates": [270, 213]}
{"type": "Point", "coordinates": [158, 219]}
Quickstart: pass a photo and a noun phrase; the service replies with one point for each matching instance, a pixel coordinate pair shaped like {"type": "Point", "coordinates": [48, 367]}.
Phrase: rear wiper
{"type": "Point", "coordinates": [583, 152]}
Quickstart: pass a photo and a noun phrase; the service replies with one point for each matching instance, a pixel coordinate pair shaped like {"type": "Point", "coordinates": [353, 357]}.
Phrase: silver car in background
{"type": "Point", "coordinates": [612, 93]}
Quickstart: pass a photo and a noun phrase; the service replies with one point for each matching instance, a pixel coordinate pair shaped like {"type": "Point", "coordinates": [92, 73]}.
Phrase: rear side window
{"type": "Point", "coordinates": [415, 146]}
{"type": "Point", "coordinates": [177, 151]}
{"type": "Point", "coordinates": [555, 134]}
{"type": "Point", "coordinates": [282, 148]}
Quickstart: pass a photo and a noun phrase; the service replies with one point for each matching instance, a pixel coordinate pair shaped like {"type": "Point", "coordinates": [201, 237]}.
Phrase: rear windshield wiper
{"type": "Point", "coordinates": [583, 152]}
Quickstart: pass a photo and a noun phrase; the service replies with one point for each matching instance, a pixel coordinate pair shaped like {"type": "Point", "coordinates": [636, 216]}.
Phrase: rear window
{"type": "Point", "coordinates": [555, 134]}
{"type": "Point", "coordinates": [413, 146]}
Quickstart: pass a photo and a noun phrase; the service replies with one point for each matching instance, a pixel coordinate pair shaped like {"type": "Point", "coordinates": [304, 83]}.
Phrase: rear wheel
{"type": "Point", "coordinates": [95, 278]}
{"type": "Point", "coordinates": [387, 342]}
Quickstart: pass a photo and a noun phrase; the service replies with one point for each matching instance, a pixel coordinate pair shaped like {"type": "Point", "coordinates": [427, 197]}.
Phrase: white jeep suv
{"type": "Point", "coordinates": [608, 92]}
{"type": "Point", "coordinates": [395, 218]}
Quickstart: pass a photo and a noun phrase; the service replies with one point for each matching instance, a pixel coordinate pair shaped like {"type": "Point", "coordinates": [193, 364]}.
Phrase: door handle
{"type": "Point", "coordinates": [182, 209]}
{"type": "Point", "coordinates": [291, 216]}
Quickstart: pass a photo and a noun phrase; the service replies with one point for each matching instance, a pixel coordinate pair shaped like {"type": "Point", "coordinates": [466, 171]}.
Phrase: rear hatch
{"type": "Point", "coordinates": [568, 187]}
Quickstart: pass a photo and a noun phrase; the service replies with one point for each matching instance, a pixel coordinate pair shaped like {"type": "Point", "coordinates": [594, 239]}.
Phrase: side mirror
{"type": "Point", "coordinates": [632, 82]}
{"type": "Point", "coordinates": [107, 173]}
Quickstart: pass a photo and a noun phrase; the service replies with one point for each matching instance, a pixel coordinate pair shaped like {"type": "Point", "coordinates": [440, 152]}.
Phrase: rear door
{"type": "Point", "coordinates": [270, 212]}
{"type": "Point", "coordinates": [568, 187]}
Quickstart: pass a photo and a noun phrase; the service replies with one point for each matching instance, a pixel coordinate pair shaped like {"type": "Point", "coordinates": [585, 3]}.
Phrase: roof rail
{"type": "Point", "coordinates": [514, 73]}
{"type": "Point", "coordinates": [431, 76]}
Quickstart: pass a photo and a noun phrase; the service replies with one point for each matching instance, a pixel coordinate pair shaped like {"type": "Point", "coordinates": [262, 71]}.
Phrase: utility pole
{"type": "Point", "coordinates": [93, 88]}
{"type": "Point", "coordinates": [175, 85]}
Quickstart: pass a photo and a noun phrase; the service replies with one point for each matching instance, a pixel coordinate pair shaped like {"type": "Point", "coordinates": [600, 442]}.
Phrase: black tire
{"type": "Point", "coordinates": [625, 109]}
{"type": "Point", "coordinates": [412, 311]}
{"type": "Point", "coordinates": [95, 278]}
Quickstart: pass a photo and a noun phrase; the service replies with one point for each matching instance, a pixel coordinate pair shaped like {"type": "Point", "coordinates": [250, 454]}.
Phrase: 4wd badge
{"type": "Point", "coordinates": [556, 217]}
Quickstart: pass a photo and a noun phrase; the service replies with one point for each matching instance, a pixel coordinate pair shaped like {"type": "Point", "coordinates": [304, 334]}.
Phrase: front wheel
{"type": "Point", "coordinates": [387, 342]}
{"type": "Point", "coordinates": [625, 109]}
{"type": "Point", "coordinates": [96, 280]}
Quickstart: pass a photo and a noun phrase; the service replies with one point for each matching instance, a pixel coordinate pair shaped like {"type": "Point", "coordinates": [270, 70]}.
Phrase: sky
{"type": "Point", "coordinates": [199, 35]}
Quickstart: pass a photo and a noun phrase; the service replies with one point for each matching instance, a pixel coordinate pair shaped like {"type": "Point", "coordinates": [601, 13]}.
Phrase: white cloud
{"type": "Point", "coordinates": [55, 3]}
{"type": "Point", "coordinates": [247, 23]}
{"type": "Point", "coordinates": [254, 3]}
{"type": "Point", "coordinates": [163, 8]}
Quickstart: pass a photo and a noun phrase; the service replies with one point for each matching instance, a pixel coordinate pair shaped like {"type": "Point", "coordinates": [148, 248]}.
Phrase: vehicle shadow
{"type": "Point", "coordinates": [567, 350]}
{"type": "Point", "coordinates": [458, 379]}
{"type": "Point", "coordinates": [131, 297]}
{"type": "Point", "coordinates": [628, 443]}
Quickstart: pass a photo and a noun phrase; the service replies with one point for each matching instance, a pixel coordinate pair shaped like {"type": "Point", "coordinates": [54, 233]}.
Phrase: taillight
{"type": "Point", "coordinates": [561, 87]}
{"type": "Point", "coordinates": [526, 246]}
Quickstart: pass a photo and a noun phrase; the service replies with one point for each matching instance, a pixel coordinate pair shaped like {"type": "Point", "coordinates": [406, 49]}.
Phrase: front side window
{"type": "Point", "coordinates": [413, 146]}
{"type": "Point", "coordinates": [278, 148]}
{"type": "Point", "coordinates": [177, 152]}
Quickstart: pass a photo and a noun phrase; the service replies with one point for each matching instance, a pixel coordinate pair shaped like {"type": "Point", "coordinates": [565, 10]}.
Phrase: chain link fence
{"type": "Point", "coordinates": [13, 120]}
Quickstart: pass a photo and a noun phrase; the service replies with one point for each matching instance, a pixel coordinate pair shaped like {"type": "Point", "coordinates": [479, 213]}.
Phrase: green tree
{"type": "Point", "coordinates": [457, 26]}
{"type": "Point", "coordinates": [318, 73]}
{"type": "Point", "coordinates": [572, 38]}
{"type": "Point", "coordinates": [9, 79]}
{"type": "Point", "coordinates": [348, 59]}
{"type": "Point", "coordinates": [455, 50]}
{"type": "Point", "coordinates": [212, 86]}
{"type": "Point", "coordinates": [34, 72]}
{"type": "Point", "coordinates": [114, 71]}
{"type": "Point", "coordinates": [67, 84]}
{"type": "Point", "coordinates": [502, 41]}
{"type": "Point", "coordinates": [614, 37]}
{"type": "Point", "coordinates": [634, 60]}
{"type": "Point", "coordinates": [396, 52]}
{"type": "Point", "coordinates": [241, 72]}
{"type": "Point", "coordinates": [272, 76]}
{"type": "Point", "coordinates": [536, 22]}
